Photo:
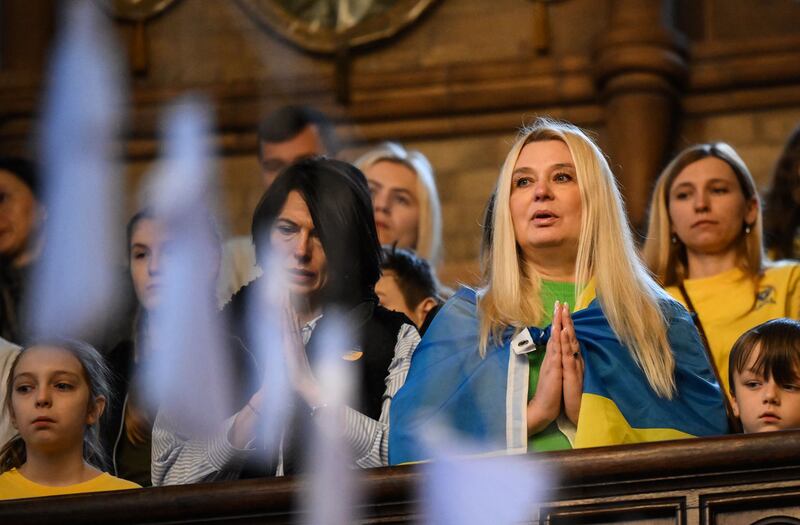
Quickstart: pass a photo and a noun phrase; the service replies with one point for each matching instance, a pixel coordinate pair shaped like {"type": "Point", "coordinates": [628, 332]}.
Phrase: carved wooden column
{"type": "Point", "coordinates": [641, 68]}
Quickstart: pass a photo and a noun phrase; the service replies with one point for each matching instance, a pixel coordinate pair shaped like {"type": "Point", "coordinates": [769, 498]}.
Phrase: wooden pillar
{"type": "Point", "coordinates": [641, 70]}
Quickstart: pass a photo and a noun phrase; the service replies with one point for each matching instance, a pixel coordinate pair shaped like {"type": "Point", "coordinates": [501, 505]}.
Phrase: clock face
{"type": "Point", "coordinates": [339, 15]}
{"type": "Point", "coordinates": [324, 26]}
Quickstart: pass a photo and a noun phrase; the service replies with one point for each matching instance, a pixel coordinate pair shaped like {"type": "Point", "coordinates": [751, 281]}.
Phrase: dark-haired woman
{"type": "Point", "coordinates": [317, 216]}
{"type": "Point", "coordinates": [21, 218]}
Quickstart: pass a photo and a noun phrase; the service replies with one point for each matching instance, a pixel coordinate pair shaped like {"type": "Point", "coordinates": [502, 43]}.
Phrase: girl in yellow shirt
{"type": "Point", "coordinates": [704, 243]}
{"type": "Point", "coordinates": [57, 391]}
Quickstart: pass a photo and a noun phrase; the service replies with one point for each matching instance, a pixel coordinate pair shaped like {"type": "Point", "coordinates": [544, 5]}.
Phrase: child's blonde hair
{"type": "Point", "coordinates": [97, 376]}
{"type": "Point", "coordinates": [778, 345]}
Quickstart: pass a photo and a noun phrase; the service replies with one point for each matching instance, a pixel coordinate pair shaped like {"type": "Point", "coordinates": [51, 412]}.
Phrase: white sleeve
{"type": "Point", "coordinates": [180, 461]}
{"type": "Point", "coordinates": [370, 438]}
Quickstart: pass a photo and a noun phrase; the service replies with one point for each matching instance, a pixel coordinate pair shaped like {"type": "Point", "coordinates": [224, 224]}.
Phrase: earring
{"type": "Point", "coordinates": [674, 239]}
{"type": "Point", "coordinates": [747, 229]}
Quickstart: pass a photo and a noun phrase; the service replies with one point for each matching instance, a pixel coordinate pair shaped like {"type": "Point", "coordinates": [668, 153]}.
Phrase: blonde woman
{"type": "Point", "coordinates": [626, 367]}
{"type": "Point", "coordinates": [405, 200]}
{"type": "Point", "coordinates": [704, 244]}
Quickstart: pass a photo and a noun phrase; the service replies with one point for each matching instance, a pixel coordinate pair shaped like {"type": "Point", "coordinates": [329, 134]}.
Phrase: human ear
{"type": "Point", "coordinates": [751, 214]}
{"type": "Point", "coordinates": [422, 310]}
{"type": "Point", "coordinates": [96, 410]}
{"type": "Point", "coordinates": [734, 405]}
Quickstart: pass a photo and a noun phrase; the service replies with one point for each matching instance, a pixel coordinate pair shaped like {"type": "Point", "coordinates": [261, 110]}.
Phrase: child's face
{"type": "Point", "coordinates": [763, 405]}
{"type": "Point", "coordinates": [388, 291]}
{"type": "Point", "coordinates": [50, 400]}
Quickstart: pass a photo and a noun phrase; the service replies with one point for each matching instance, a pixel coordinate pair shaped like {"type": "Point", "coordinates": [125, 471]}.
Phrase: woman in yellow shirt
{"type": "Point", "coordinates": [704, 243]}
{"type": "Point", "coordinates": [57, 391]}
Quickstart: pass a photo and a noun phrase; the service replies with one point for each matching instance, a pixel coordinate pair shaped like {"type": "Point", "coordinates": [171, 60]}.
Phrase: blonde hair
{"type": "Point", "coordinates": [429, 229]}
{"type": "Point", "coordinates": [98, 381]}
{"type": "Point", "coordinates": [668, 259]}
{"type": "Point", "coordinates": [627, 294]}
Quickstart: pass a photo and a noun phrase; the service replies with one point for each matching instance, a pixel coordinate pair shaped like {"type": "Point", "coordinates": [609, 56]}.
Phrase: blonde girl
{"type": "Point", "coordinates": [56, 393]}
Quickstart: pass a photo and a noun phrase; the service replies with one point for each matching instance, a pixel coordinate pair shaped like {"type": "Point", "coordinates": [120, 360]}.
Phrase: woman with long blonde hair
{"type": "Point", "coordinates": [704, 244]}
{"type": "Point", "coordinates": [509, 364]}
{"type": "Point", "coordinates": [404, 197]}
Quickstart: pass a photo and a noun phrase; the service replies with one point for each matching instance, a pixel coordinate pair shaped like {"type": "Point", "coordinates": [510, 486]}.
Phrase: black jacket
{"type": "Point", "coordinates": [376, 330]}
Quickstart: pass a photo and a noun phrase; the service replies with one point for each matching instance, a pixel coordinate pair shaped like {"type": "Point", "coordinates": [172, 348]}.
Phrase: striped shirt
{"type": "Point", "coordinates": [178, 461]}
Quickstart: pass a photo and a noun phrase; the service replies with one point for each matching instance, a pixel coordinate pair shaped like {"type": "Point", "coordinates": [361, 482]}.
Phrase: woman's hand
{"type": "Point", "coordinates": [299, 369]}
{"type": "Point", "coordinates": [244, 426]}
{"type": "Point", "coordinates": [546, 403]}
{"type": "Point", "coordinates": [571, 363]}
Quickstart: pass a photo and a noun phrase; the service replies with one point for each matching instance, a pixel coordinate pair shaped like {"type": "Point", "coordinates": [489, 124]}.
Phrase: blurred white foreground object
{"type": "Point", "coordinates": [73, 285]}
{"type": "Point", "coordinates": [463, 490]}
{"type": "Point", "coordinates": [334, 489]}
{"type": "Point", "coordinates": [267, 325]}
{"type": "Point", "coordinates": [189, 363]}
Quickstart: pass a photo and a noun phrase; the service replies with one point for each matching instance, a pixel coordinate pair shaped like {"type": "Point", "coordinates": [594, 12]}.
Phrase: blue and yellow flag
{"type": "Point", "coordinates": [485, 399]}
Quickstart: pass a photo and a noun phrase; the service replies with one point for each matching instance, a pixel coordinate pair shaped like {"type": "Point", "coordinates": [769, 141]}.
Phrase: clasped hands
{"type": "Point", "coordinates": [299, 375]}
{"type": "Point", "coordinates": [560, 376]}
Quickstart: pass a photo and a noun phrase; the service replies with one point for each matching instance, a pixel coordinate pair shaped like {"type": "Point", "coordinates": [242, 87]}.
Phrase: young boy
{"type": "Point", "coordinates": [409, 286]}
{"type": "Point", "coordinates": [764, 375]}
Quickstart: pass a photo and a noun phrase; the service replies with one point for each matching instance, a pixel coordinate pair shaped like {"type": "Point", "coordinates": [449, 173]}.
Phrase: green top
{"type": "Point", "coordinates": [551, 437]}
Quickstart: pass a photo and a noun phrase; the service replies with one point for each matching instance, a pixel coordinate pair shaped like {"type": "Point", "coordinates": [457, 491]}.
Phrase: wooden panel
{"type": "Point", "coordinates": [640, 512]}
{"type": "Point", "coordinates": [734, 508]}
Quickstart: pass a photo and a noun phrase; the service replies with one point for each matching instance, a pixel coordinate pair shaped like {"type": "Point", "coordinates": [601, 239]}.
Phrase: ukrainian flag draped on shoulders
{"type": "Point", "coordinates": [484, 399]}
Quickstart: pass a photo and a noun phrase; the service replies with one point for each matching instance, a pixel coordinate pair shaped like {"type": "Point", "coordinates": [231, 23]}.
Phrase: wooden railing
{"type": "Point", "coordinates": [726, 480]}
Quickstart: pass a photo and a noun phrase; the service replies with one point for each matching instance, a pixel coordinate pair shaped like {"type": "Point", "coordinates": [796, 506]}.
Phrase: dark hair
{"type": "Point", "coordinates": [23, 169]}
{"type": "Point", "coordinates": [288, 121]}
{"type": "Point", "coordinates": [778, 343]}
{"type": "Point", "coordinates": [413, 273]}
{"type": "Point", "coordinates": [487, 233]}
{"type": "Point", "coordinates": [98, 379]}
{"type": "Point", "coordinates": [782, 201]}
{"type": "Point", "coordinates": [339, 201]}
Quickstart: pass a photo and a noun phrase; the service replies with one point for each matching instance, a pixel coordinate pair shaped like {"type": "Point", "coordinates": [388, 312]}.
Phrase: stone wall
{"type": "Point", "coordinates": [454, 85]}
{"type": "Point", "coordinates": [758, 136]}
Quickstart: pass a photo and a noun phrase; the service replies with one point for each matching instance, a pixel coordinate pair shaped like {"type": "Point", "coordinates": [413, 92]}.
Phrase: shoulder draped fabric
{"type": "Point", "coordinates": [484, 399]}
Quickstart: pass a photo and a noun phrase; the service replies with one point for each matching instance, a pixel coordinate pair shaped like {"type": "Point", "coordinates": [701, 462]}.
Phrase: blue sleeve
{"type": "Point", "coordinates": [450, 385]}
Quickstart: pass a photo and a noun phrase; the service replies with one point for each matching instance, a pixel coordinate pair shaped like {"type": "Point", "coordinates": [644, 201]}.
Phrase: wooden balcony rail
{"type": "Point", "coordinates": [731, 479]}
